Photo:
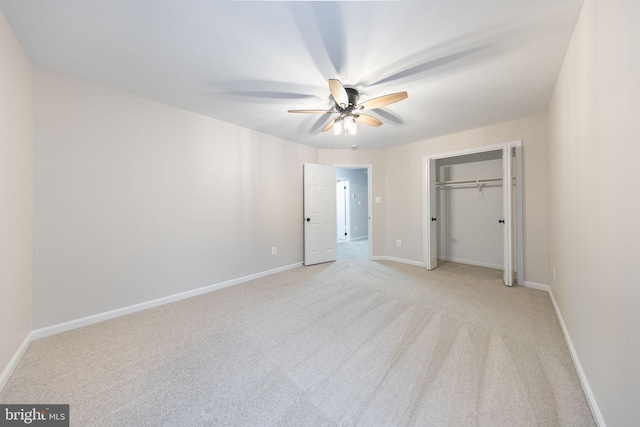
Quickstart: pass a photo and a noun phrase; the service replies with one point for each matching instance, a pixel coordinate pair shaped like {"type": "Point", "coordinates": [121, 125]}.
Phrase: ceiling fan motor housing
{"type": "Point", "coordinates": [353, 97]}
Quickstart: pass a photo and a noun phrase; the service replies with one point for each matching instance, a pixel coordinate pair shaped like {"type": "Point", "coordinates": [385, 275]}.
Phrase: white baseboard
{"type": "Point", "coordinates": [476, 263]}
{"type": "Point", "coordinates": [591, 400]}
{"type": "Point", "coordinates": [400, 260]}
{"type": "Point", "coordinates": [14, 360]}
{"type": "Point", "coordinates": [538, 286]}
{"type": "Point", "coordinates": [354, 239]}
{"type": "Point", "coordinates": [100, 317]}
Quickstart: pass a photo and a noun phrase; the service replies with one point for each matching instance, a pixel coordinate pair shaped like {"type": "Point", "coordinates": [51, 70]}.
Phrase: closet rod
{"type": "Point", "coordinates": [469, 181]}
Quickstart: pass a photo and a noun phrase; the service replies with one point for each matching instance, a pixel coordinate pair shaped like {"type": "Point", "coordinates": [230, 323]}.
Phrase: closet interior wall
{"type": "Point", "coordinates": [469, 212]}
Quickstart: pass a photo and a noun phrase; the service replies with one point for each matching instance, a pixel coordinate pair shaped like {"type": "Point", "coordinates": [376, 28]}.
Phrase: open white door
{"type": "Point", "coordinates": [432, 216]}
{"type": "Point", "coordinates": [519, 217]}
{"type": "Point", "coordinates": [507, 195]}
{"type": "Point", "coordinates": [319, 214]}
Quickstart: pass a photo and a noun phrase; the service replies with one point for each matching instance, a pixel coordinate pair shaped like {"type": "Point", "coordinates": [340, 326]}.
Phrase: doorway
{"type": "Point", "coordinates": [357, 242]}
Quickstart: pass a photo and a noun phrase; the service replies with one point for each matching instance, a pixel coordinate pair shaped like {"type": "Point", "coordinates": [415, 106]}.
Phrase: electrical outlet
{"type": "Point", "coordinates": [398, 242]}
{"type": "Point", "coordinates": [274, 250]}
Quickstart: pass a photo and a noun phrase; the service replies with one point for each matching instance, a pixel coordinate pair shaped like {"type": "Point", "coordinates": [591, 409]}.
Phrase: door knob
{"type": "Point", "coordinates": [501, 221]}
{"type": "Point", "coordinates": [433, 219]}
{"type": "Point", "coordinates": [308, 219]}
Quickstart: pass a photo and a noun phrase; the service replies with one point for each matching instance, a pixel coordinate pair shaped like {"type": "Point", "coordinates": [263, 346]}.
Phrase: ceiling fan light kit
{"type": "Point", "coordinates": [346, 105]}
{"type": "Point", "coordinates": [345, 125]}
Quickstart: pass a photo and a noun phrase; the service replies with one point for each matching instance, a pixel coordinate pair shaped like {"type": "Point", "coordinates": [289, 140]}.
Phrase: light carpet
{"type": "Point", "coordinates": [354, 249]}
{"type": "Point", "coordinates": [354, 342]}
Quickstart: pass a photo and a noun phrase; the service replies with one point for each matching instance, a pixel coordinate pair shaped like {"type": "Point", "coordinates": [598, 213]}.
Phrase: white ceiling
{"type": "Point", "coordinates": [464, 63]}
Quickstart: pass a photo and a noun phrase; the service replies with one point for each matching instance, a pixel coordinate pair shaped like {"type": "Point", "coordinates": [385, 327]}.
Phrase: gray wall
{"type": "Point", "coordinates": [16, 194]}
{"type": "Point", "coordinates": [594, 203]}
{"type": "Point", "coordinates": [468, 228]}
{"type": "Point", "coordinates": [358, 205]}
{"type": "Point", "coordinates": [136, 200]}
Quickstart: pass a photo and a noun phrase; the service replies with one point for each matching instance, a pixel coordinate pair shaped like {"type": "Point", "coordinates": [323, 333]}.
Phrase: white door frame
{"type": "Point", "coordinates": [347, 207]}
{"type": "Point", "coordinates": [426, 208]}
{"type": "Point", "coordinates": [369, 168]}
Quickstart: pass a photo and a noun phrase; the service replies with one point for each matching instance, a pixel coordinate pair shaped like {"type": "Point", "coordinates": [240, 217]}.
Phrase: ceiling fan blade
{"type": "Point", "coordinates": [312, 111]}
{"type": "Point", "coordinates": [328, 126]}
{"type": "Point", "coordinates": [367, 120]}
{"type": "Point", "coordinates": [339, 93]}
{"type": "Point", "coordinates": [382, 101]}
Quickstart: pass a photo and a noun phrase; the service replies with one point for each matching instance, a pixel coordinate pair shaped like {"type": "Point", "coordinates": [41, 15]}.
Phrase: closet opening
{"type": "Point", "coordinates": [473, 206]}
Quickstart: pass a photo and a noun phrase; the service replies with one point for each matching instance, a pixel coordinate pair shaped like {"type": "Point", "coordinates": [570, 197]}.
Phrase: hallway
{"type": "Point", "coordinates": [358, 249]}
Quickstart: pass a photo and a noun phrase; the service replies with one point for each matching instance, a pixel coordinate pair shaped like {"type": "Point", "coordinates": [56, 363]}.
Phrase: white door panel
{"type": "Point", "coordinates": [319, 214]}
{"type": "Point", "coordinates": [507, 192]}
{"type": "Point", "coordinates": [432, 216]}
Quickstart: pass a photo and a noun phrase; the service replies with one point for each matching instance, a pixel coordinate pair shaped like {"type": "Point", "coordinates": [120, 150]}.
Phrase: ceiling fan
{"type": "Point", "coordinates": [346, 105]}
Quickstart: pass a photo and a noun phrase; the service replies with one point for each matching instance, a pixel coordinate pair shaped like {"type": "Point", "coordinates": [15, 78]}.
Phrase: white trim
{"type": "Point", "coordinates": [359, 238]}
{"type": "Point", "coordinates": [591, 400]}
{"type": "Point", "coordinates": [100, 317]}
{"type": "Point", "coordinates": [534, 285]}
{"type": "Point", "coordinates": [426, 249]}
{"type": "Point", "coordinates": [480, 149]}
{"type": "Point", "coordinates": [347, 208]}
{"type": "Point", "coordinates": [6, 374]}
{"type": "Point", "coordinates": [476, 263]}
{"type": "Point", "coordinates": [400, 260]}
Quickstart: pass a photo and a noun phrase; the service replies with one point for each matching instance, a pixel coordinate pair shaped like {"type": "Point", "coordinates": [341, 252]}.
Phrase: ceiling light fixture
{"type": "Point", "coordinates": [337, 126]}
{"type": "Point", "coordinates": [345, 124]}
